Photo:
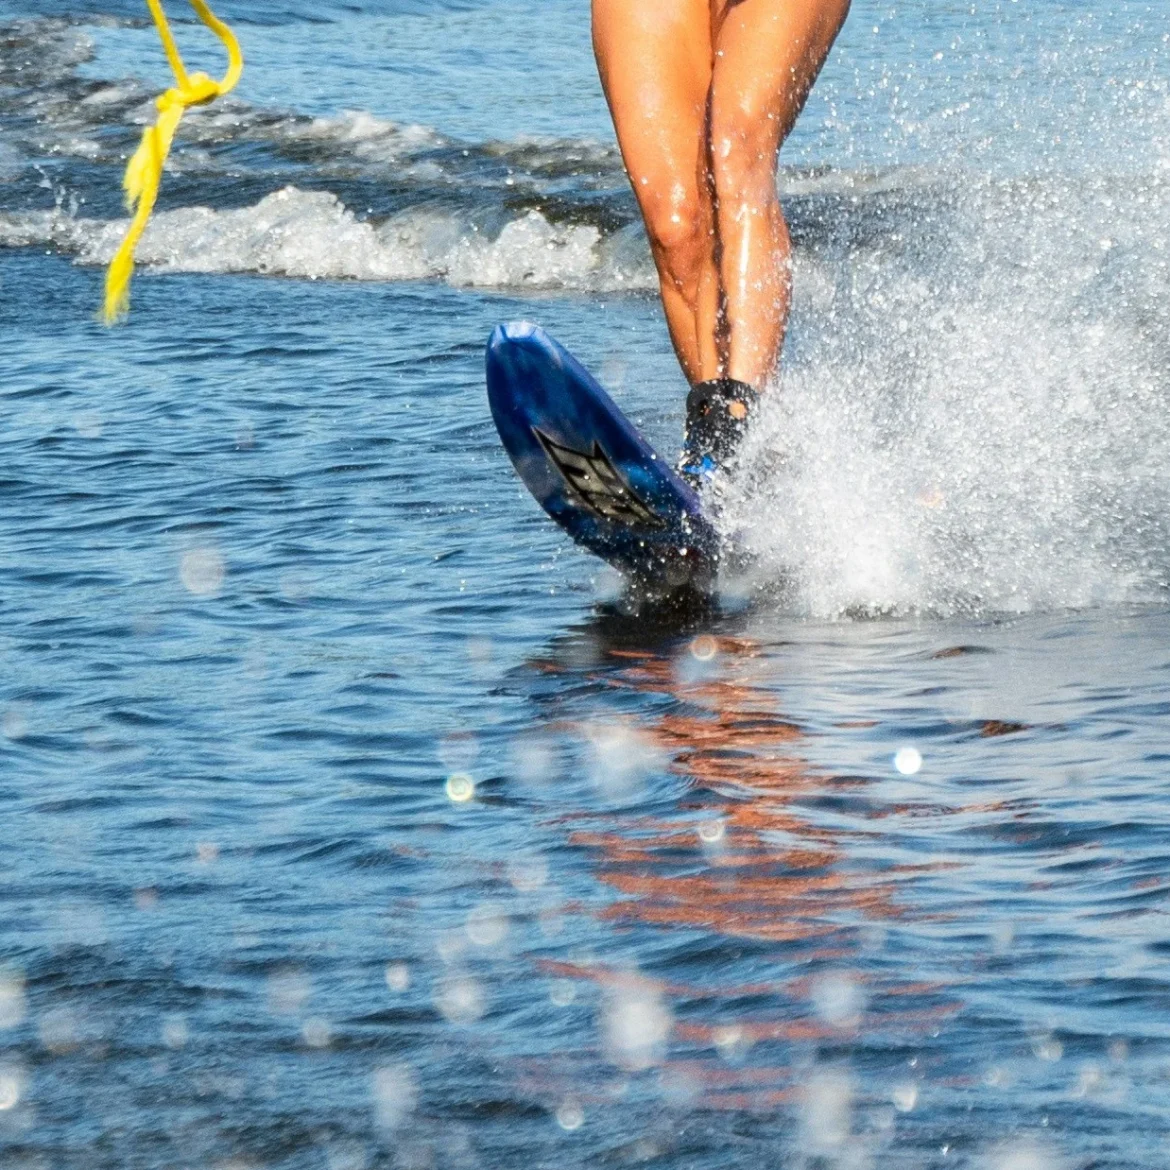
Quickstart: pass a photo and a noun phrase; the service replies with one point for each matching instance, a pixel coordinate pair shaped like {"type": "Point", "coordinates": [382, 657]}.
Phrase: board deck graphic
{"type": "Point", "coordinates": [597, 485]}
{"type": "Point", "coordinates": [588, 466]}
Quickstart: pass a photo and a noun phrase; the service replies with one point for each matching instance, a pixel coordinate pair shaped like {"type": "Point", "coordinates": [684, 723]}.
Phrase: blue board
{"type": "Point", "coordinates": [588, 467]}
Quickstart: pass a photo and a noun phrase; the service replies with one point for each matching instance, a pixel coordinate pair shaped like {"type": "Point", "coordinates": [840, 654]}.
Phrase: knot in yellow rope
{"type": "Point", "coordinates": [144, 171]}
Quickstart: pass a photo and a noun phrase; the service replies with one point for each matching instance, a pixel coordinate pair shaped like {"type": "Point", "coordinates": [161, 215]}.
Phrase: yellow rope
{"type": "Point", "coordinates": [144, 171]}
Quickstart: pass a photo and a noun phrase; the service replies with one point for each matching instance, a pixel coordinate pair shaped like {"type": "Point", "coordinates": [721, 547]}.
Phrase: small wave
{"type": "Point", "coordinates": [312, 234]}
{"type": "Point", "coordinates": [358, 134]}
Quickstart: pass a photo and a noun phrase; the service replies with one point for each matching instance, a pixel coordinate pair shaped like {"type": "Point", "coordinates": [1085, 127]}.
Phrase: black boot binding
{"type": "Point", "coordinates": [718, 412]}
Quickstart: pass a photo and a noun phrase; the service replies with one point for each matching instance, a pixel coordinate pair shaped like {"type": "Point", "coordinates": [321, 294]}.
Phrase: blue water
{"type": "Point", "coordinates": [353, 819]}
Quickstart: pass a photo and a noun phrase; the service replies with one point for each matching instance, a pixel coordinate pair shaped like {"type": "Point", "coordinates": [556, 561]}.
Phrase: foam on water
{"type": "Point", "coordinates": [312, 234]}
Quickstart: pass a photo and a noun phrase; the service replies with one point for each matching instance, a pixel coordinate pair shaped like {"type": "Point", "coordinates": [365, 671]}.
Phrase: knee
{"type": "Point", "coordinates": [743, 160]}
{"type": "Point", "coordinates": [680, 237]}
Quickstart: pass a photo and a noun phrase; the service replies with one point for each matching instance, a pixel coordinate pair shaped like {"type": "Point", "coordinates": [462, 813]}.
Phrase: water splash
{"type": "Point", "coordinates": [973, 418]}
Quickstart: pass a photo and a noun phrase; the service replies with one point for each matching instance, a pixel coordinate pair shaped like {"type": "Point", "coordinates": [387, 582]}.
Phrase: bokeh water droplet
{"type": "Point", "coordinates": [908, 761]}
{"type": "Point", "coordinates": [827, 1110]}
{"type": "Point", "coordinates": [1025, 1154]}
{"type": "Point", "coordinates": [460, 787]}
{"type": "Point", "coordinates": [459, 751]}
{"type": "Point", "coordinates": [732, 1042]}
{"type": "Point", "coordinates": [207, 852]}
{"type": "Point", "coordinates": [622, 757]}
{"type": "Point", "coordinates": [14, 723]}
{"type": "Point", "coordinates": [839, 1000]}
{"type": "Point", "coordinates": [904, 1097]}
{"type": "Point", "coordinates": [175, 1032]}
{"type": "Point", "coordinates": [712, 830]}
{"type": "Point", "coordinates": [397, 977]}
{"type": "Point", "coordinates": [460, 999]}
{"type": "Point", "coordinates": [1047, 1047]}
{"type": "Point", "coordinates": [88, 424]}
{"type": "Point", "coordinates": [704, 648]}
{"type": "Point", "coordinates": [563, 992]}
{"type": "Point", "coordinates": [570, 1116]}
{"type": "Point", "coordinates": [146, 899]}
{"type": "Point", "coordinates": [12, 1081]}
{"type": "Point", "coordinates": [395, 1095]}
{"type": "Point", "coordinates": [636, 1024]}
{"type": "Point", "coordinates": [202, 571]}
{"type": "Point", "coordinates": [288, 990]}
{"type": "Point", "coordinates": [316, 1032]}
{"type": "Point", "coordinates": [12, 997]}
{"type": "Point", "coordinates": [487, 926]}
{"type": "Point", "coordinates": [59, 1029]}
{"type": "Point", "coordinates": [527, 874]}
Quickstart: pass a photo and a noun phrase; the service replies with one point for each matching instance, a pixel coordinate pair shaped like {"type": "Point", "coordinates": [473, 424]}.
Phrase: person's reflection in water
{"type": "Point", "coordinates": [764, 887]}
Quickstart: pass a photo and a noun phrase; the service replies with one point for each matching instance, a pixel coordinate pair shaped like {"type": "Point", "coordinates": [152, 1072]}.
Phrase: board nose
{"type": "Point", "coordinates": [511, 331]}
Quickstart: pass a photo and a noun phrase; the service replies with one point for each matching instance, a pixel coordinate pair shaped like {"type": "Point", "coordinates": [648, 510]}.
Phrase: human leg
{"type": "Point", "coordinates": [767, 56]}
{"type": "Point", "coordinates": [655, 58]}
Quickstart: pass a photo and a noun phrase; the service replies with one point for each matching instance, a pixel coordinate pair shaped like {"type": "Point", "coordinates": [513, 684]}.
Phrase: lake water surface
{"type": "Point", "coordinates": [352, 818]}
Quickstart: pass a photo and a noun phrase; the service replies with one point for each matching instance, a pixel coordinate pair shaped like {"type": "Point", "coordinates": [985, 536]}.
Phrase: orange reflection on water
{"type": "Point", "coordinates": [772, 874]}
{"type": "Point", "coordinates": [749, 858]}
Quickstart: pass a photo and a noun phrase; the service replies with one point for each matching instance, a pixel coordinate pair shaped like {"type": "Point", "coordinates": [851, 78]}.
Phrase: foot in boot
{"type": "Point", "coordinates": [717, 417]}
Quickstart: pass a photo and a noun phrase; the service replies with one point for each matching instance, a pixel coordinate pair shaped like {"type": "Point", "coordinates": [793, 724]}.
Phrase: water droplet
{"type": "Point", "coordinates": [202, 571]}
{"type": "Point", "coordinates": [704, 648]}
{"type": "Point", "coordinates": [905, 1097]}
{"type": "Point", "coordinates": [563, 992]}
{"type": "Point", "coordinates": [527, 874]}
{"type": "Point", "coordinates": [460, 1000]}
{"type": "Point", "coordinates": [460, 787]}
{"type": "Point", "coordinates": [570, 1116]}
{"type": "Point", "coordinates": [459, 750]}
{"type": "Point", "coordinates": [316, 1032]}
{"type": "Point", "coordinates": [1090, 1079]}
{"type": "Point", "coordinates": [88, 424]}
{"type": "Point", "coordinates": [1047, 1047]}
{"type": "Point", "coordinates": [175, 1032]}
{"type": "Point", "coordinates": [295, 585]}
{"type": "Point", "coordinates": [635, 1024]}
{"type": "Point", "coordinates": [59, 1029]}
{"type": "Point", "coordinates": [908, 761]}
{"type": "Point", "coordinates": [551, 922]}
{"type": "Point", "coordinates": [347, 1156]}
{"type": "Point", "coordinates": [146, 898]}
{"type": "Point", "coordinates": [711, 831]}
{"type": "Point", "coordinates": [397, 977]}
{"type": "Point", "coordinates": [450, 945]}
{"type": "Point", "coordinates": [732, 1041]}
{"type": "Point", "coordinates": [12, 1000]}
{"type": "Point", "coordinates": [838, 1000]}
{"type": "Point", "coordinates": [536, 759]}
{"type": "Point", "coordinates": [13, 724]}
{"type": "Point", "coordinates": [1025, 1155]}
{"type": "Point", "coordinates": [827, 1112]}
{"type": "Point", "coordinates": [288, 991]}
{"type": "Point", "coordinates": [487, 926]}
{"type": "Point", "coordinates": [480, 650]}
{"type": "Point", "coordinates": [395, 1094]}
{"type": "Point", "coordinates": [11, 1087]}
{"type": "Point", "coordinates": [622, 758]}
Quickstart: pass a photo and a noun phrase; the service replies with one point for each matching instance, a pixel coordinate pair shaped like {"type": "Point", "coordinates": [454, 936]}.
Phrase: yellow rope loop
{"type": "Point", "coordinates": [144, 170]}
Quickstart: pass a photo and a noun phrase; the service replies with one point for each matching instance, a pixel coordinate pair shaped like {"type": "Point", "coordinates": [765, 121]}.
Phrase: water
{"type": "Point", "coordinates": [354, 820]}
